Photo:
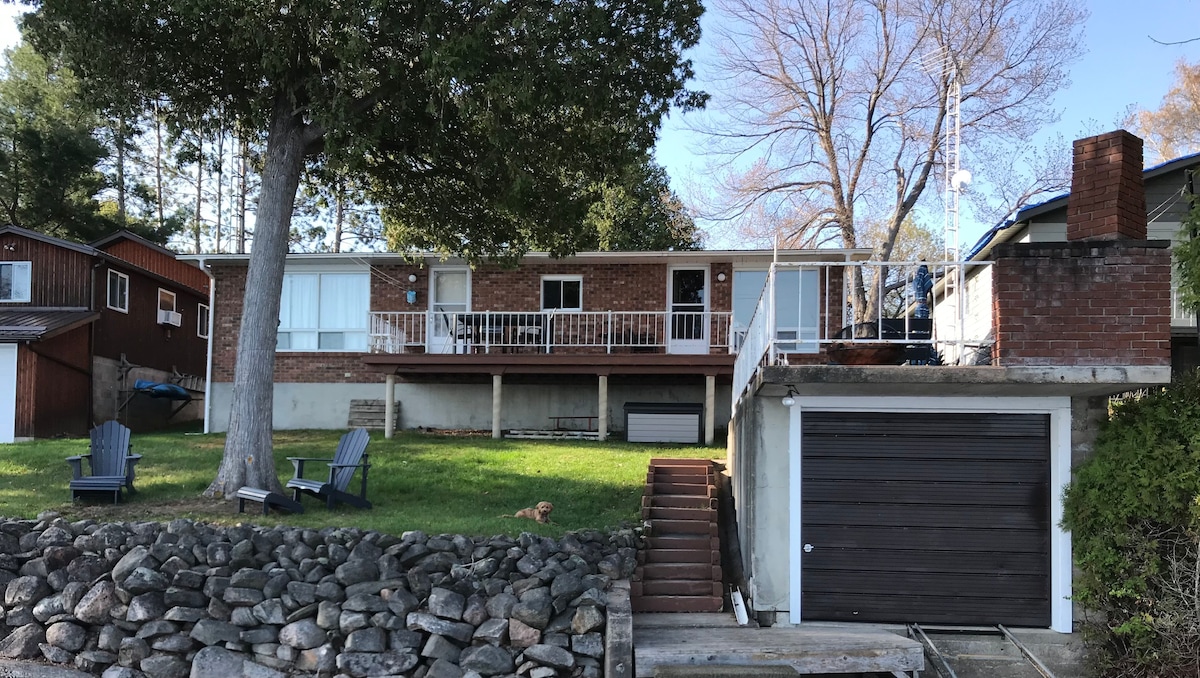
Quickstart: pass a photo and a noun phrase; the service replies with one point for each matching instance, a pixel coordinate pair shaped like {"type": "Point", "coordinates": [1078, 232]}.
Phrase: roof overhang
{"type": "Point", "coordinates": [41, 324]}
{"type": "Point", "coordinates": [681, 257]}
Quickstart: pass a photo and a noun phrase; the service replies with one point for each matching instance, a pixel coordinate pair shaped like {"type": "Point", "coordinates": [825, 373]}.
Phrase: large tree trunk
{"type": "Point", "coordinates": [248, 459]}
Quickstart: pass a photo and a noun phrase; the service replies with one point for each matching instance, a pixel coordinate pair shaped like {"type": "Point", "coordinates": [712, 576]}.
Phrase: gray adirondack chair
{"type": "Point", "coordinates": [351, 454]}
{"type": "Point", "coordinates": [110, 463]}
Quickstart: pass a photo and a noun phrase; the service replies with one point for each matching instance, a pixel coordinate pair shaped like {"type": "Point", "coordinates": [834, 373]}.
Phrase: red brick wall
{"type": "Point", "coordinates": [1083, 303]}
{"type": "Point", "coordinates": [1108, 197]}
{"type": "Point", "coordinates": [606, 287]}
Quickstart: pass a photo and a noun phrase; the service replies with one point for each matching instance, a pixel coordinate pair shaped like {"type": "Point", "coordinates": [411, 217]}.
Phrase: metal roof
{"type": "Point", "coordinates": [33, 324]}
{"type": "Point", "coordinates": [42, 237]}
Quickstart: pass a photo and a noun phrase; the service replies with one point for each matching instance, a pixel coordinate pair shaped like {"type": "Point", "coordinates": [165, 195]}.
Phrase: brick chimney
{"type": "Point", "coordinates": [1108, 197]}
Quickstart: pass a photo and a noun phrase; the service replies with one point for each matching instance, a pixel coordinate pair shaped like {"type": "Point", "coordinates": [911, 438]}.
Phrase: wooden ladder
{"type": "Point", "coordinates": [680, 566]}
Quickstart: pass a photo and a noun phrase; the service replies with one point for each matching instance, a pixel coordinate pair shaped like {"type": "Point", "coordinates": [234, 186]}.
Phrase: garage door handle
{"type": "Point", "coordinates": [808, 548]}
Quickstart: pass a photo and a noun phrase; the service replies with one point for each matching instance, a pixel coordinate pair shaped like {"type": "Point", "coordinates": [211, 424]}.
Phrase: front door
{"type": "Point", "coordinates": [449, 301]}
{"type": "Point", "coordinates": [8, 392]}
{"type": "Point", "coordinates": [687, 322]}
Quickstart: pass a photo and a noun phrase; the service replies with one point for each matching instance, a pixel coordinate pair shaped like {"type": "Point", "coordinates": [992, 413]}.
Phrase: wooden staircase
{"type": "Point", "coordinates": [680, 567]}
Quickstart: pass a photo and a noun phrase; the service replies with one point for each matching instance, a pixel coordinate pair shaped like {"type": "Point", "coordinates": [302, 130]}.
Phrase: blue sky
{"type": "Point", "coordinates": [1122, 66]}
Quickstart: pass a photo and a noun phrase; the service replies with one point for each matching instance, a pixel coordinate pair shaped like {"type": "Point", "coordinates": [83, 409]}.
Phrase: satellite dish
{"type": "Point", "coordinates": [961, 179]}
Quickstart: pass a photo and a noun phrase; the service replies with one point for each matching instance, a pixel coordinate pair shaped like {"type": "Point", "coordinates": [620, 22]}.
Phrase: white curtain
{"type": "Point", "coordinates": [344, 301]}
{"type": "Point", "coordinates": [298, 305]}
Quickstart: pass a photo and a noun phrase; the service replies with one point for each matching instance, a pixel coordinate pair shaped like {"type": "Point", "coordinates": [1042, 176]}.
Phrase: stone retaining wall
{"type": "Point", "coordinates": [191, 600]}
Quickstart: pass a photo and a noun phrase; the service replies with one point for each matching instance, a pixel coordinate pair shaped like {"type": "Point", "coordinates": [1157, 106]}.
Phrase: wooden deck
{"type": "Point", "coordinates": [693, 644]}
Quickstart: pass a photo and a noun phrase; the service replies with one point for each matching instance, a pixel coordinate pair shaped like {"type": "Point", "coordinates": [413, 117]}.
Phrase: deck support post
{"type": "Point", "coordinates": [602, 412]}
{"type": "Point", "coordinates": [710, 417]}
{"type": "Point", "coordinates": [497, 387]}
{"type": "Point", "coordinates": [389, 406]}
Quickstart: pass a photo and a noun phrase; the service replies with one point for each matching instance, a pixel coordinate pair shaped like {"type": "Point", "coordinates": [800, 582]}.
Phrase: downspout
{"type": "Point", "coordinates": [212, 314]}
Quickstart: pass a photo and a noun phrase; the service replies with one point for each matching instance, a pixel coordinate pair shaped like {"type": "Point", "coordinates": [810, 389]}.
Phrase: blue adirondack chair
{"type": "Point", "coordinates": [110, 463]}
{"type": "Point", "coordinates": [351, 454]}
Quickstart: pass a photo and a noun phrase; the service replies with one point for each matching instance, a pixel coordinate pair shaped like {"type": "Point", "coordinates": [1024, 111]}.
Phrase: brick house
{"type": "Point", "coordinates": [79, 324]}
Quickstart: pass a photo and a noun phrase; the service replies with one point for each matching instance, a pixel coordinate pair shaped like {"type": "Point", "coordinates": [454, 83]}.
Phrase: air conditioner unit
{"type": "Point", "coordinates": [169, 318]}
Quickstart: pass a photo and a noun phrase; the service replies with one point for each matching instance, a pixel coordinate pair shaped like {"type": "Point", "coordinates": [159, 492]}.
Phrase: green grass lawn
{"type": "Point", "coordinates": [436, 483]}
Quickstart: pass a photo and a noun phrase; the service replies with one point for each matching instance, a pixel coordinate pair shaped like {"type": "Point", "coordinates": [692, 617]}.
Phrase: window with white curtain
{"type": "Point", "coordinates": [324, 312]}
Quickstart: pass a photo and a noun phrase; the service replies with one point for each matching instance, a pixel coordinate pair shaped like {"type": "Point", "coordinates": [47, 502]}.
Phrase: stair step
{"type": "Point", "coordinates": [673, 513]}
{"type": "Point", "coordinates": [678, 501]}
{"type": "Point", "coordinates": [677, 603]}
{"type": "Point", "coordinates": [672, 461]}
{"type": "Point", "coordinates": [689, 489]}
{"type": "Point", "coordinates": [663, 528]}
{"type": "Point", "coordinates": [695, 541]}
{"type": "Point", "coordinates": [685, 471]}
{"type": "Point", "coordinates": [677, 588]}
{"type": "Point", "coordinates": [710, 556]}
{"type": "Point", "coordinates": [680, 571]}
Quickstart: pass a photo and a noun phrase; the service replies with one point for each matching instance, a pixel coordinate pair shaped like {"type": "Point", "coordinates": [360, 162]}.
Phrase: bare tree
{"type": "Point", "coordinates": [1174, 128]}
{"type": "Point", "coordinates": [832, 113]}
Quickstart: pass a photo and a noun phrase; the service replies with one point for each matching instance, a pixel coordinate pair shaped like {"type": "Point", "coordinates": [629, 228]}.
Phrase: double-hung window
{"type": "Point", "coordinates": [324, 312]}
{"type": "Point", "coordinates": [15, 281]}
{"type": "Point", "coordinates": [118, 291]}
{"type": "Point", "coordinates": [562, 293]}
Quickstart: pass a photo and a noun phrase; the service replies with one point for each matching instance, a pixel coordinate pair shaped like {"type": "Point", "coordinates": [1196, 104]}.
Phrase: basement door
{"type": "Point", "coordinates": [940, 518]}
{"type": "Point", "coordinates": [8, 392]}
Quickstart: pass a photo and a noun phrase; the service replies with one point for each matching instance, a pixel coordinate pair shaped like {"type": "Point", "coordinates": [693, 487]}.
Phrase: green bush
{"type": "Point", "coordinates": [1134, 509]}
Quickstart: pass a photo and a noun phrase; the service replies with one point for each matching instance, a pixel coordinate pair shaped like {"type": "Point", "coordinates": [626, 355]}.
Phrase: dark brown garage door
{"type": "Point", "coordinates": [934, 518]}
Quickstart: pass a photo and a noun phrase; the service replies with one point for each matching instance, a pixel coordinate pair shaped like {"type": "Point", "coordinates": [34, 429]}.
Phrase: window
{"type": "Point", "coordinates": [202, 321]}
{"type": "Point", "coordinates": [324, 312]}
{"type": "Point", "coordinates": [118, 291]}
{"type": "Point", "coordinates": [166, 300]}
{"type": "Point", "coordinates": [797, 306]}
{"type": "Point", "coordinates": [14, 280]}
{"type": "Point", "coordinates": [562, 292]}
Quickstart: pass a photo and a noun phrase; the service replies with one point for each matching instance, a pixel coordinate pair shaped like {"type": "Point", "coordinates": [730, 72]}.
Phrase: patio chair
{"type": "Point", "coordinates": [110, 464]}
{"type": "Point", "coordinates": [351, 454]}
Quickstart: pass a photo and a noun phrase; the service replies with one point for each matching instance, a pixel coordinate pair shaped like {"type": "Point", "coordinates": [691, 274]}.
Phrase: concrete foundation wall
{"type": "Point", "coordinates": [142, 413]}
{"type": "Point", "coordinates": [461, 406]}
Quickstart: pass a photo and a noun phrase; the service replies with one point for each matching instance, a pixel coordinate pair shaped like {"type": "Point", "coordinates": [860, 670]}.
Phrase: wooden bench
{"type": "Point", "coordinates": [267, 499]}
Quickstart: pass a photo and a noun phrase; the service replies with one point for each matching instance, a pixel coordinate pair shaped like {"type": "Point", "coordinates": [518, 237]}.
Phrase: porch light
{"type": "Point", "coordinates": [721, 277]}
{"type": "Point", "coordinates": [412, 277]}
{"type": "Point", "coordinates": [790, 398]}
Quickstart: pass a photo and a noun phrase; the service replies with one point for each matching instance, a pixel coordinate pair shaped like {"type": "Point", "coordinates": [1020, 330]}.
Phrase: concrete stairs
{"type": "Point", "coordinates": [680, 567]}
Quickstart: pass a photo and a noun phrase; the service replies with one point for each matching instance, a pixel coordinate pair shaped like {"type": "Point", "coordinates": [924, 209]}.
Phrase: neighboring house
{"type": "Point", "coordinates": [934, 493]}
{"type": "Point", "coordinates": [80, 323]}
{"type": "Point", "coordinates": [1167, 187]}
{"type": "Point", "coordinates": [552, 342]}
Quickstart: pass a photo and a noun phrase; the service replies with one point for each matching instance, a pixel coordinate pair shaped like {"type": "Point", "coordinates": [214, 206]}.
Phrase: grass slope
{"type": "Point", "coordinates": [439, 484]}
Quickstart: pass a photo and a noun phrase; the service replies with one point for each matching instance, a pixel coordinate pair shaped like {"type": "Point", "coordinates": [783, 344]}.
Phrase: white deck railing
{"type": "Point", "coordinates": [545, 331]}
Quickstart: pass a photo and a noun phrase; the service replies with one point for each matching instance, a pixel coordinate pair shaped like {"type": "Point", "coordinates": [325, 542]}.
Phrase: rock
{"type": "Point", "coordinates": [356, 571]}
{"type": "Point", "coordinates": [367, 640]}
{"type": "Point", "coordinates": [350, 622]}
{"type": "Point", "coordinates": [438, 647]}
{"type": "Point", "coordinates": [121, 672]}
{"type": "Point", "coordinates": [320, 660]}
{"type": "Point", "coordinates": [568, 584]}
{"type": "Point", "coordinates": [587, 618]}
{"type": "Point", "coordinates": [302, 635]}
{"type": "Point", "coordinates": [25, 591]}
{"type": "Point", "coordinates": [157, 628]}
{"type": "Point", "coordinates": [186, 615]}
{"type": "Point", "coordinates": [402, 639]}
{"type": "Point", "coordinates": [441, 668]}
{"type": "Point", "coordinates": [213, 632]}
{"type": "Point", "coordinates": [92, 661]}
{"type": "Point", "coordinates": [427, 622]}
{"type": "Point", "coordinates": [260, 635]}
{"type": "Point", "coordinates": [401, 602]}
{"type": "Point", "coordinates": [165, 666]}
{"type": "Point", "coordinates": [66, 635]}
{"type": "Point", "coordinates": [328, 614]}
{"type": "Point", "coordinates": [535, 608]}
{"type": "Point", "coordinates": [365, 603]}
{"type": "Point", "coordinates": [146, 607]}
{"type": "Point", "coordinates": [550, 655]}
{"type": "Point", "coordinates": [55, 655]}
{"type": "Point", "coordinates": [270, 612]}
{"type": "Point", "coordinates": [216, 662]}
{"type": "Point", "coordinates": [176, 596]}
{"type": "Point", "coordinates": [132, 652]}
{"type": "Point", "coordinates": [361, 664]}
{"type": "Point", "coordinates": [493, 631]}
{"type": "Point", "coordinates": [144, 580]}
{"type": "Point", "coordinates": [487, 660]}
{"type": "Point", "coordinates": [500, 606]}
{"type": "Point", "coordinates": [138, 556]}
{"type": "Point", "coordinates": [176, 642]}
{"type": "Point", "coordinates": [239, 596]}
{"type": "Point", "coordinates": [446, 604]}
{"type": "Point", "coordinates": [110, 638]}
{"type": "Point", "coordinates": [23, 642]}
{"type": "Point", "coordinates": [588, 644]}
{"type": "Point", "coordinates": [302, 593]}
{"type": "Point", "coordinates": [522, 635]}
{"type": "Point", "coordinates": [475, 613]}
{"type": "Point", "coordinates": [249, 578]}
{"type": "Point", "coordinates": [542, 672]}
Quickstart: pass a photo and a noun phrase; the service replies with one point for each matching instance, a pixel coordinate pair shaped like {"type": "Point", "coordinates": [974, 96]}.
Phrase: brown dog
{"type": "Point", "coordinates": [540, 513]}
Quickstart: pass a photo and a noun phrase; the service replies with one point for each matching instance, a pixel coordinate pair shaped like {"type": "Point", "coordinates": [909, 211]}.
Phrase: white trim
{"type": "Point", "coordinates": [688, 346]}
{"type": "Point", "coordinates": [28, 296]}
{"type": "Point", "coordinates": [1059, 409]}
{"type": "Point", "coordinates": [435, 343]}
{"type": "Point", "coordinates": [561, 278]}
{"type": "Point", "coordinates": [174, 300]}
{"type": "Point", "coordinates": [205, 317]}
{"type": "Point", "coordinates": [8, 392]}
{"type": "Point", "coordinates": [108, 290]}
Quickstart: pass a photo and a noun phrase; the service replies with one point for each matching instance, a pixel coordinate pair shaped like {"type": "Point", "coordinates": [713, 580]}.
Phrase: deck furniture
{"type": "Point", "coordinates": [110, 464]}
{"type": "Point", "coordinates": [351, 454]}
{"type": "Point", "coordinates": [267, 499]}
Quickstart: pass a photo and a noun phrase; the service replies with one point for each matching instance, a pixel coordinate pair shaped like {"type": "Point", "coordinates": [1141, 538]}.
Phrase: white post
{"type": "Point", "coordinates": [710, 417]}
{"type": "Point", "coordinates": [497, 385]}
{"type": "Point", "coordinates": [602, 414]}
{"type": "Point", "coordinates": [389, 407]}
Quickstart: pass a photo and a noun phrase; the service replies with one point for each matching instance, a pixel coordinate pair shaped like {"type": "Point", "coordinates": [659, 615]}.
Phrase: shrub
{"type": "Point", "coordinates": [1134, 511]}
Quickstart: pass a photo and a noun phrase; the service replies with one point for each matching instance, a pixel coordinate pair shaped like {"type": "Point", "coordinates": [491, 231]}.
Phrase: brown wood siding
{"type": "Point", "coordinates": [63, 384]}
{"type": "Point", "coordinates": [156, 262]}
{"type": "Point", "coordinates": [932, 518]}
{"type": "Point", "coordinates": [138, 335]}
{"type": "Point", "coordinates": [59, 276]}
{"type": "Point", "coordinates": [26, 393]}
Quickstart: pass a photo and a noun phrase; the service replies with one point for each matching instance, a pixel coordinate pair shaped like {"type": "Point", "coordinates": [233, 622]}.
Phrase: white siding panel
{"type": "Point", "coordinates": [663, 428]}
